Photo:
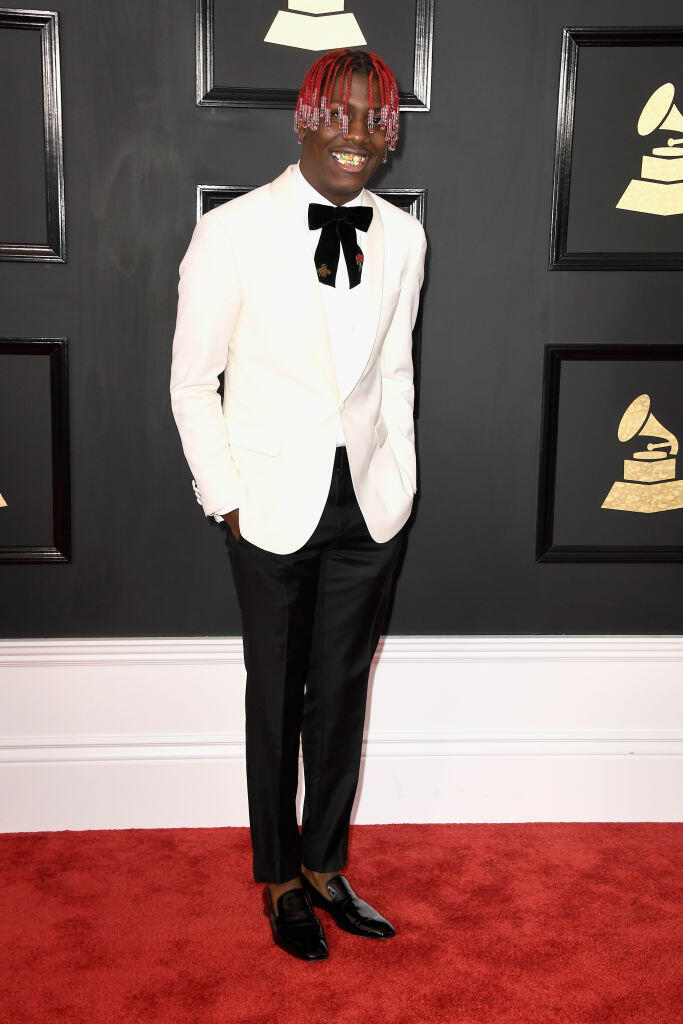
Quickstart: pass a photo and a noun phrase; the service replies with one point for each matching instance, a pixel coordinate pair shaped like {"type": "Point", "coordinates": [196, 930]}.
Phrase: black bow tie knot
{"type": "Point", "coordinates": [338, 225]}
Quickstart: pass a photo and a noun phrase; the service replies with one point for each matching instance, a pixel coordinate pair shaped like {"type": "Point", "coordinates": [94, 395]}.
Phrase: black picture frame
{"type": "Point", "coordinates": [412, 200]}
{"type": "Point", "coordinates": [54, 251]}
{"type": "Point", "coordinates": [573, 40]}
{"type": "Point", "coordinates": [546, 549]}
{"type": "Point", "coordinates": [209, 94]}
{"type": "Point", "coordinates": [57, 351]}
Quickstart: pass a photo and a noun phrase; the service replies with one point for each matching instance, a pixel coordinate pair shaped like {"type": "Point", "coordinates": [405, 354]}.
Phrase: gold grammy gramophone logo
{"type": "Point", "coordinates": [649, 483]}
{"type": "Point", "coordinates": [315, 25]}
{"type": "Point", "coordinates": [3, 503]}
{"type": "Point", "coordinates": [659, 189]}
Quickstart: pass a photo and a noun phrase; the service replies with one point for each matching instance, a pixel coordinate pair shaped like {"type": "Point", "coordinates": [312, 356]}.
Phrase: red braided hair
{"type": "Point", "coordinates": [315, 95]}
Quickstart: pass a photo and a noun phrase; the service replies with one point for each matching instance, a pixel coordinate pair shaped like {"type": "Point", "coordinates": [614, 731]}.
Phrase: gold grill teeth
{"type": "Point", "coordinates": [351, 157]}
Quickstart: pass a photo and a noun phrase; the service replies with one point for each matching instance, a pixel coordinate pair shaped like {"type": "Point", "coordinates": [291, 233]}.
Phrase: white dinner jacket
{"type": "Point", "coordinates": [249, 303]}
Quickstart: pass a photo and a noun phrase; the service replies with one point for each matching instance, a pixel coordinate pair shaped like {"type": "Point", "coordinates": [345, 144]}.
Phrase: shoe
{"type": "Point", "coordinates": [351, 913]}
{"type": "Point", "coordinates": [295, 927]}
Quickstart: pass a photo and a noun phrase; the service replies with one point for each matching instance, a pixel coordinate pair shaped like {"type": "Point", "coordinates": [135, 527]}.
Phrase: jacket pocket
{"type": "Point", "coordinates": [381, 430]}
{"type": "Point", "coordinates": [243, 435]}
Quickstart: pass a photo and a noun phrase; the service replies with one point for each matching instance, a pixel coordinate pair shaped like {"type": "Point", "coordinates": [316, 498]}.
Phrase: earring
{"type": "Point", "coordinates": [384, 158]}
{"type": "Point", "coordinates": [300, 139]}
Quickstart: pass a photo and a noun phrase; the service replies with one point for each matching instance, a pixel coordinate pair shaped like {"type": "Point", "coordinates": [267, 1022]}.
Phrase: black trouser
{"type": "Point", "coordinates": [311, 621]}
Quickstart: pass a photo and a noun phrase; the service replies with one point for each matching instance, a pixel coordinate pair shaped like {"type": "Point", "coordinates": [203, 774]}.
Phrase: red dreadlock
{"type": "Point", "coordinates": [315, 95]}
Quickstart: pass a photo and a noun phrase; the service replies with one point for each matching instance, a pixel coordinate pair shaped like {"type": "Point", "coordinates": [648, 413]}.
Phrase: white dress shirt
{"type": "Point", "coordinates": [341, 306]}
{"type": "Point", "coordinates": [341, 302]}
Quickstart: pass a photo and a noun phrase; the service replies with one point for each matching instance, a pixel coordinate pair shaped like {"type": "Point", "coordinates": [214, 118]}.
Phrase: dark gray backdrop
{"type": "Point", "coordinates": [145, 560]}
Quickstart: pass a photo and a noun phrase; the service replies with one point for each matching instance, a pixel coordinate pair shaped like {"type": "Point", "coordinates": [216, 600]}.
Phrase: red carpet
{"type": "Point", "coordinates": [537, 923]}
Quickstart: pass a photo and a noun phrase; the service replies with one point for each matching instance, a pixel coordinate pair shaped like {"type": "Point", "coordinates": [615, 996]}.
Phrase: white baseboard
{"type": "Point", "coordinates": [148, 733]}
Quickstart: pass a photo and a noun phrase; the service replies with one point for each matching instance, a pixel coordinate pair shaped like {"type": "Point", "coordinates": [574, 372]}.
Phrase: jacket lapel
{"type": "Point", "coordinates": [299, 285]}
{"type": "Point", "coordinates": [372, 244]}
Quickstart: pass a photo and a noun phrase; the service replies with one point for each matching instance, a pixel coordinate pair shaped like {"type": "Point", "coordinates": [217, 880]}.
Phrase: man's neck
{"type": "Point", "coordinates": [331, 197]}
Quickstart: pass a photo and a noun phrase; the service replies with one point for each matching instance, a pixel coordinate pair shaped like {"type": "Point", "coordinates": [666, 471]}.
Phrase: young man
{"type": "Point", "coordinates": [305, 291]}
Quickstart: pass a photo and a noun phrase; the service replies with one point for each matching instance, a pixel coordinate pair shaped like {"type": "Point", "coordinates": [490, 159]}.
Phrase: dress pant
{"type": "Point", "coordinates": [311, 622]}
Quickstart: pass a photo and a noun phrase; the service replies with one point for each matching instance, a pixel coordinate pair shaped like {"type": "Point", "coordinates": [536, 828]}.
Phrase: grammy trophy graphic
{"type": "Point", "coordinates": [315, 25]}
{"type": "Point", "coordinates": [649, 483]}
{"type": "Point", "coordinates": [3, 503]}
{"type": "Point", "coordinates": [659, 190]}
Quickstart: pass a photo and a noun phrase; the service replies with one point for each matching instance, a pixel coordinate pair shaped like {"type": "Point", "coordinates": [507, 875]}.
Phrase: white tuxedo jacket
{"type": "Point", "coordinates": [249, 303]}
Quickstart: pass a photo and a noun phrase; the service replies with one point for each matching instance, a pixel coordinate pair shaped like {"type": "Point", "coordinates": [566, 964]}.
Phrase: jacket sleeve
{"type": "Point", "coordinates": [396, 364]}
{"type": "Point", "coordinates": [209, 302]}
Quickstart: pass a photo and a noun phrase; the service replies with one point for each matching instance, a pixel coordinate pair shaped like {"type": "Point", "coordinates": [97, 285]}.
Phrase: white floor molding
{"type": "Point", "coordinates": [147, 733]}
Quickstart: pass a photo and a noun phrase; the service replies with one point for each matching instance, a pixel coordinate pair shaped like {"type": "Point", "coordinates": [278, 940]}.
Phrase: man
{"type": "Point", "coordinates": [305, 292]}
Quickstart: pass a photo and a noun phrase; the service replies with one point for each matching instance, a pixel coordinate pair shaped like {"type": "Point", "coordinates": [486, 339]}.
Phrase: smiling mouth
{"type": "Point", "coordinates": [350, 159]}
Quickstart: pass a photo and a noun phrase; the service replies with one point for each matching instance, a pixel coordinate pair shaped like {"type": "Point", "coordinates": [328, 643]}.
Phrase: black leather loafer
{"type": "Point", "coordinates": [295, 927]}
{"type": "Point", "coordinates": [351, 913]}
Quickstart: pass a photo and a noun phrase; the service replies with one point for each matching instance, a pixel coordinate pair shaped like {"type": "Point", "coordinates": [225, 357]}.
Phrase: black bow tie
{"type": "Point", "coordinates": [338, 223]}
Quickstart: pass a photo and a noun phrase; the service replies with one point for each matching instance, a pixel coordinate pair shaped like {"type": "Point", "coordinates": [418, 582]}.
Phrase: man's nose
{"type": "Point", "coordinates": [358, 126]}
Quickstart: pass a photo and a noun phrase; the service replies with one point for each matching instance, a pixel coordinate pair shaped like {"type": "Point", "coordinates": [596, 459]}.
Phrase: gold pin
{"type": "Point", "coordinates": [323, 270]}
